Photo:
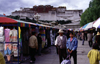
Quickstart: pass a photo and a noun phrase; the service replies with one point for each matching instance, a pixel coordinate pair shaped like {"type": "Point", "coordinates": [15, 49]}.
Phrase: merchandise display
{"type": "Point", "coordinates": [1, 31]}
{"type": "Point", "coordinates": [1, 38]}
{"type": "Point", "coordinates": [7, 35]}
{"type": "Point", "coordinates": [13, 35]}
{"type": "Point", "coordinates": [1, 34]}
{"type": "Point", "coordinates": [7, 50]}
{"type": "Point", "coordinates": [15, 50]}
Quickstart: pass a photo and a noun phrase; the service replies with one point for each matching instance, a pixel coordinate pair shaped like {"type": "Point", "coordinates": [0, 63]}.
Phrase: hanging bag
{"type": "Point", "coordinates": [67, 60]}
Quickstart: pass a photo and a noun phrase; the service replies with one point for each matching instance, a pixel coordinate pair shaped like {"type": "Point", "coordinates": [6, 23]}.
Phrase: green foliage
{"type": "Point", "coordinates": [92, 13]}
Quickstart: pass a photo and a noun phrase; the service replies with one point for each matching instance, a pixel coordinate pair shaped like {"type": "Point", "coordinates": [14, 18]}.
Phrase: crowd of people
{"type": "Point", "coordinates": [66, 45]}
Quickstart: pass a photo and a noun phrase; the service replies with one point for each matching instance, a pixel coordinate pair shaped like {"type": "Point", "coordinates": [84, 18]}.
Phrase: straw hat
{"type": "Point", "coordinates": [60, 31]}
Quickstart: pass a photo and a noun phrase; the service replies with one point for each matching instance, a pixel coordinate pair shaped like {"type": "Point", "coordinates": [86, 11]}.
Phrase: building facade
{"type": "Point", "coordinates": [49, 13]}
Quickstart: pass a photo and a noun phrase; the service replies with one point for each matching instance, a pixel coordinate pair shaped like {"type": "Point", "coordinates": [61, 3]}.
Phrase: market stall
{"type": "Point", "coordinates": [14, 38]}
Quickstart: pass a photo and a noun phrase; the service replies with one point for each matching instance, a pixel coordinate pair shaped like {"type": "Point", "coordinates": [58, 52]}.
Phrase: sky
{"type": "Point", "coordinates": [8, 6]}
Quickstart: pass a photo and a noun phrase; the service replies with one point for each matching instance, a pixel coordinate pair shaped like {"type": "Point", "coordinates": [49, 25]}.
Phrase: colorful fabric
{"type": "Point", "coordinates": [43, 37]}
{"type": "Point", "coordinates": [19, 32]}
{"type": "Point", "coordinates": [7, 35]}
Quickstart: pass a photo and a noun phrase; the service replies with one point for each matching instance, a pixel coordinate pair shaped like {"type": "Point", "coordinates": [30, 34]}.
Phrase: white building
{"type": "Point", "coordinates": [49, 13]}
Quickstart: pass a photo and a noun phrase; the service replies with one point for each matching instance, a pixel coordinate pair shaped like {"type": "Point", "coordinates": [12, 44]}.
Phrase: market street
{"type": "Point", "coordinates": [50, 57]}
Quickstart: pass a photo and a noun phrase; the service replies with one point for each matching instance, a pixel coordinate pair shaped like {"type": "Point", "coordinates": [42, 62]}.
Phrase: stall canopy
{"type": "Point", "coordinates": [87, 26]}
{"type": "Point", "coordinates": [7, 20]}
{"type": "Point", "coordinates": [21, 23]}
{"type": "Point", "coordinates": [96, 24]}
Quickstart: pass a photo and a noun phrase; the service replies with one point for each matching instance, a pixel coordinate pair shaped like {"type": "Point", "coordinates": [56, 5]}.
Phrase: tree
{"type": "Point", "coordinates": [91, 13]}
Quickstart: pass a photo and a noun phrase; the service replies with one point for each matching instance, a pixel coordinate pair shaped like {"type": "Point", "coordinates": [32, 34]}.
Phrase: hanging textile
{"type": "Point", "coordinates": [51, 37]}
{"type": "Point", "coordinates": [15, 50]}
{"type": "Point", "coordinates": [13, 35]}
{"type": "Point", "coordinates": [43, 37]}
{"type": "Point", "coordinates": [8, 48]}
{"type": "Point", "coordinates": [1, 31]}
{"type": "Point", "coordinates": [1, 34]}
{"type": "Point", "coordinates": [7, 35]}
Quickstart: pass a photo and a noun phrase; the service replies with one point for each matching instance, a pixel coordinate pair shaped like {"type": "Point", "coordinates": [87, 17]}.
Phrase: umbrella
{"type": "Point", "coordinates": [96, 23]}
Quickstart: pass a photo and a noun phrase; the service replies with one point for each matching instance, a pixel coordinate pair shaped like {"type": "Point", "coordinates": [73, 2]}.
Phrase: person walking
{"type": "Point", "coordinates": [39, 44]}
{"type": "Point", "coordinates": [90, 36]}
{"type": "Point", "coordinates": [83, 37]}
{"type": "Point", "coordinates": [94, 54]}
{"type": "Point", "coordinates": [61, 45]}
{"type": "Point", "coordinates": [72, 44]}
{"type": "Point", "coordinates": [33, 45]}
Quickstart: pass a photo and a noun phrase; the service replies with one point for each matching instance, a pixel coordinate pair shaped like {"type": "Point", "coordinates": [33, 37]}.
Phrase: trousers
{"type": "Point", "coordinates": [74, 54]}
{"type": "Point", "coordinates": [90, 43]}
{"type": "Point", "coordinates": [62, 54]}
{"type": "Point", "coordinates": [32, 53]}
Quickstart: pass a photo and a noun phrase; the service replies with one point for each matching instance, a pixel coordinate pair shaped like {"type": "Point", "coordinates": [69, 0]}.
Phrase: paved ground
{"type": "Point", "coordinates": [50, 56]}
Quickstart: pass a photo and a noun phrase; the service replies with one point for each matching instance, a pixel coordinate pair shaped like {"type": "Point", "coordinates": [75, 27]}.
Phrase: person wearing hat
{"type": "Point", "coordinates": [61, 45]}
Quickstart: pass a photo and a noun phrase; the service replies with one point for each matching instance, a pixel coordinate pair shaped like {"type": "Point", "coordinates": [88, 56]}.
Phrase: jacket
{"type": "Point", "coordinates": [94, 56]}
{"type": "Point", "coordinates": [61, 42]}
{"type": "Point", "coordinates": [72, 45]}
{"type": "Point", "coordinates": [33, 43]}
{"type": "Point", "coordinates": [2, 61]}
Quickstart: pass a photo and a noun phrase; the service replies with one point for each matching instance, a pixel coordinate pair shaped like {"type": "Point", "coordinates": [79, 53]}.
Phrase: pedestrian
{"type": "Point", "coordinates": [33, 45]}
{"type": "Point", "coordinates": [72, 44]}
{"type": "Point", "coordinates": [39, 44]}
{"type": "Point", "coordinates": [61, 45]}
{"type": "Point", "coordinates": [83, 37]}
{"type": "Point", "coordinates": [98, 40]}
{"type": "Point", "coordinates": [94, 37]}
{"type": "Point", "coordinates": [94, 55]}
{"type": "Point", "coordinates": [2, 61]}
{"type": "Point", "coordinates": [90, 36]}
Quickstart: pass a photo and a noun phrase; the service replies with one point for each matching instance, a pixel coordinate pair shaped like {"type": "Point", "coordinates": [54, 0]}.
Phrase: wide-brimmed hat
{"type": "Point", "coordinates": [60, 31]}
